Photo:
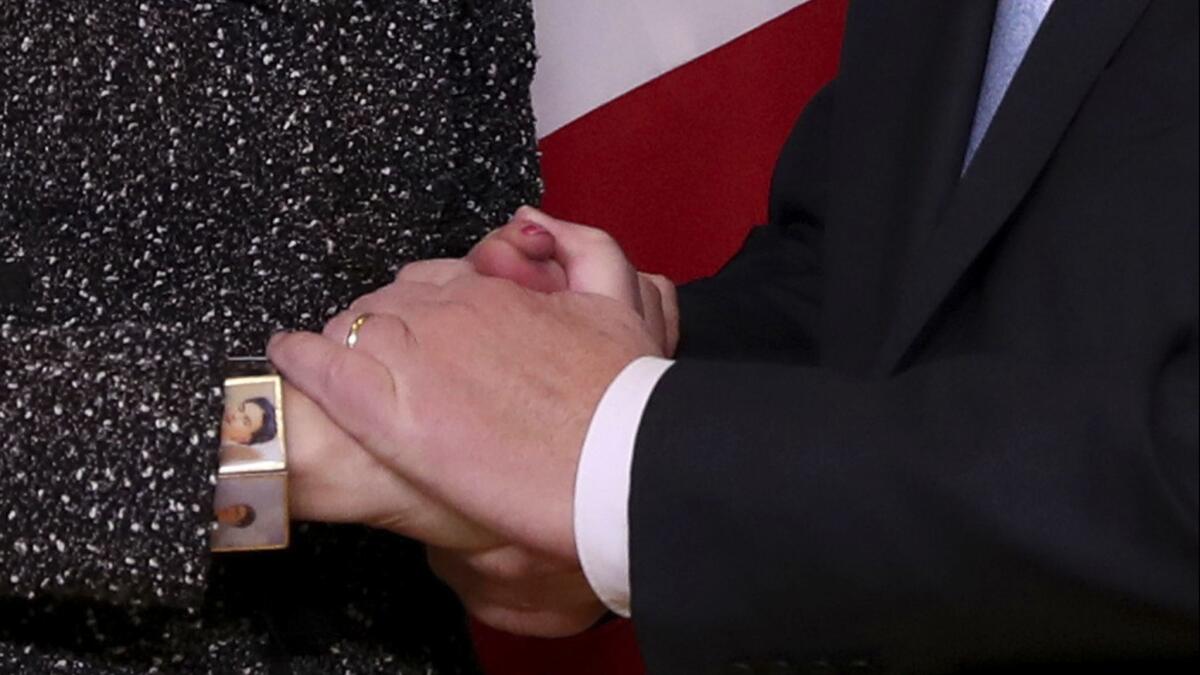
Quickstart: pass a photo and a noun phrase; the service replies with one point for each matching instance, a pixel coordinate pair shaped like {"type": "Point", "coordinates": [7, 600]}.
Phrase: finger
{"type": "Point", "coordinates": [653, 314]}
{"type": "Point", "coordinates": [437, 272]}
{"type": "Point", "coordinates": [355, 390]}
{"type": "Point", "coordinates": [669, 300]}
{"type": "Point", "coordinates": [593, 260]}
{"type": "Point", "coordinates": [498, 256]}
{"type": "Point", "coordinates": [530, 238]}
{"type": "Point", "coordinates": [385, 337]}
{"type": "Point", "coordinates": [509, 589]}
{"type": "Point", "coordinates": [395, 299]}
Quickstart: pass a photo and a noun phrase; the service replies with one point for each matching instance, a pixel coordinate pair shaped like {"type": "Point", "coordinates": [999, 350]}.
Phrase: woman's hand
{"type": "Point", "coordinates": [550, 255]}
{"type": "Point", "coordinates": [333, 479]}
{"type": "Point", "coordinates": [520, 592]}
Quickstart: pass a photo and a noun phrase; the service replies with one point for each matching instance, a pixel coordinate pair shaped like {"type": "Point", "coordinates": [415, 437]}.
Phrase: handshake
{"type": "Point", "coordinates": [451, 407]}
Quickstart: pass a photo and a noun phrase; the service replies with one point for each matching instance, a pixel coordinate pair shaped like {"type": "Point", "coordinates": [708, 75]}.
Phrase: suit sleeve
{"type": "Point", "coordinates": [973, 509]}
{"type": "Point", "coordinates": [764, 303]}
{"type": "Point", "coordinates": [109, 458]}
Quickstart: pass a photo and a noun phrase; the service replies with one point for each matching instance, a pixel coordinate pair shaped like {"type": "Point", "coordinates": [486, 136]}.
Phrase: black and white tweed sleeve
{"type": "Point", "coordinates": [108, 461]}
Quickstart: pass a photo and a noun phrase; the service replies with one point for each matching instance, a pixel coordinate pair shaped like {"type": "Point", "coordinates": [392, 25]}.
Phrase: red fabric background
{"type": "Point", "coordinates": [677, 170]}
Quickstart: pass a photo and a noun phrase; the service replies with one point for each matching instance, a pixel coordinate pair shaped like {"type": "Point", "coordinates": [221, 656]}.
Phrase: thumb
{"type": "Point", "coordinates": [592, 259]}
{"type": "Point", "coordinates": [522, 252]}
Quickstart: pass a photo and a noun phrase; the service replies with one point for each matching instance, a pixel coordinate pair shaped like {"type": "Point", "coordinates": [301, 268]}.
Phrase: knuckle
{"type": "Point", "coordinates": [407, 271]}
{"type": "Point", "coordinates": [504, 566]}
{"type": "Point", "coordinates": [282, 348]}
{"type": "Point", "coordinates": [525, 211]}
{"type": "Point", "coordinates": [426, 270]}
{"type": "Point", "coordinates": [458, 266]}
{"type": "Point", "coordinates": [416, 271]}
{"type": "Point", "coordinates": [335, 328]}
{"type": "Point", "coordinates": [358, 305]}
{"type": "Point", "coordinates": [491, 242]}
{"type": "Point", "coordinates": [486, 256]}
{"type": "Point", "coordinates": [490, 235]}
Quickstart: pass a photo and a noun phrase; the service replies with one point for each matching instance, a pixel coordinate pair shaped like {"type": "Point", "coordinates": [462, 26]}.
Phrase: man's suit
{"type": "Point", "coordinates": [929, 419]}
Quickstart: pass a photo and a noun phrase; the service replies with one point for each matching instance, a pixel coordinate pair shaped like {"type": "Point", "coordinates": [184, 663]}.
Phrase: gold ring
{"type": "Point", "coordinates": [355, 326]}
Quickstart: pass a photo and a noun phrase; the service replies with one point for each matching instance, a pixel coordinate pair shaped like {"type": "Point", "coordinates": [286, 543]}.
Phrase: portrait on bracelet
{"type": "Point", "coordinates": [251, 512]}
{"type": "Point", "coordinates": [252, 425]}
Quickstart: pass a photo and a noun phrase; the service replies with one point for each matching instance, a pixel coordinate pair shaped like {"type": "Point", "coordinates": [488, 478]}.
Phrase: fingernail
{"type": "Point", "coordinates": [533, 228]}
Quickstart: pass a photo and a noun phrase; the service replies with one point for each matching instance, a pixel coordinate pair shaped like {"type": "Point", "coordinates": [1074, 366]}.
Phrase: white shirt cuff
{"type": "Point", "coordinates": [602, 481]}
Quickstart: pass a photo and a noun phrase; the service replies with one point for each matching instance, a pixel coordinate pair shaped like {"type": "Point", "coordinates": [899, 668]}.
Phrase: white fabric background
{"type": "Point", "coordinates": [593, 51]}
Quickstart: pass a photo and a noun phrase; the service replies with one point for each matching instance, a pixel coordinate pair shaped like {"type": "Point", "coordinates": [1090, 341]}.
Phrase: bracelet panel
{"type": "Point", "coordinates": [251, 500]}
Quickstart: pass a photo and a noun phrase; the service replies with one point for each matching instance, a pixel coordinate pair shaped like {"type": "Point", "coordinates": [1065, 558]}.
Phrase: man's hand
{"type": "Point", "coordinates": [477, 391]}
{"type": "Point", "coordinates": [333, 479]}
{"type": "Point", "coordinates": [546, 254]}
{"type": "Point", "coordinates": [515, 588]}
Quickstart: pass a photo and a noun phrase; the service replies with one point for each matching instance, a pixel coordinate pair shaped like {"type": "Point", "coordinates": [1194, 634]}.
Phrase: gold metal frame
{"type": "Point", "coordinates": [277, 470]}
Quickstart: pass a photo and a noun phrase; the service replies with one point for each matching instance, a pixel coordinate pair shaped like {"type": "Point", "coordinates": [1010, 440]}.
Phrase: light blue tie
{"type": "Point", "coordinates": [1017, 21]}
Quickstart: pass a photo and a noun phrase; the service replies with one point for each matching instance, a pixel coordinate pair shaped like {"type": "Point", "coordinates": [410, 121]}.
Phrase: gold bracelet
{"type": "Point", "coordinates": [251, 501]}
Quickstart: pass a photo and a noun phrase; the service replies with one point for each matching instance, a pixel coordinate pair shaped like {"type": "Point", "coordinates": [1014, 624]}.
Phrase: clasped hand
{"type": "Point", "coordinates": [458, 417]}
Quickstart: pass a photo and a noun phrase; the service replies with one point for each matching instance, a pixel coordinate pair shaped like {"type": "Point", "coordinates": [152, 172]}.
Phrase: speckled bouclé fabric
{"type": "Point", "coordinates": [178, 180]}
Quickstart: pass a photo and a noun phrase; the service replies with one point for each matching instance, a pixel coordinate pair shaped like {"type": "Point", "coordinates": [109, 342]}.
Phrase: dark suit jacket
{"type": "Point", "coordinates": [928, 421]}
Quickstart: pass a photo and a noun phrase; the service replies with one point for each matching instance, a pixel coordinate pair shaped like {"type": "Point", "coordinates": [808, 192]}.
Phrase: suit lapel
{"type": "Point", "coordinates": [905, 97]}
{"type": "Point", "coordinates": [1070, 50]}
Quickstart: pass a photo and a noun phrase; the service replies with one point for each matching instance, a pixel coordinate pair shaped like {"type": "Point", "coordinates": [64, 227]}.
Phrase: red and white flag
{"type": "Point", "coordinates": [660, 120]}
